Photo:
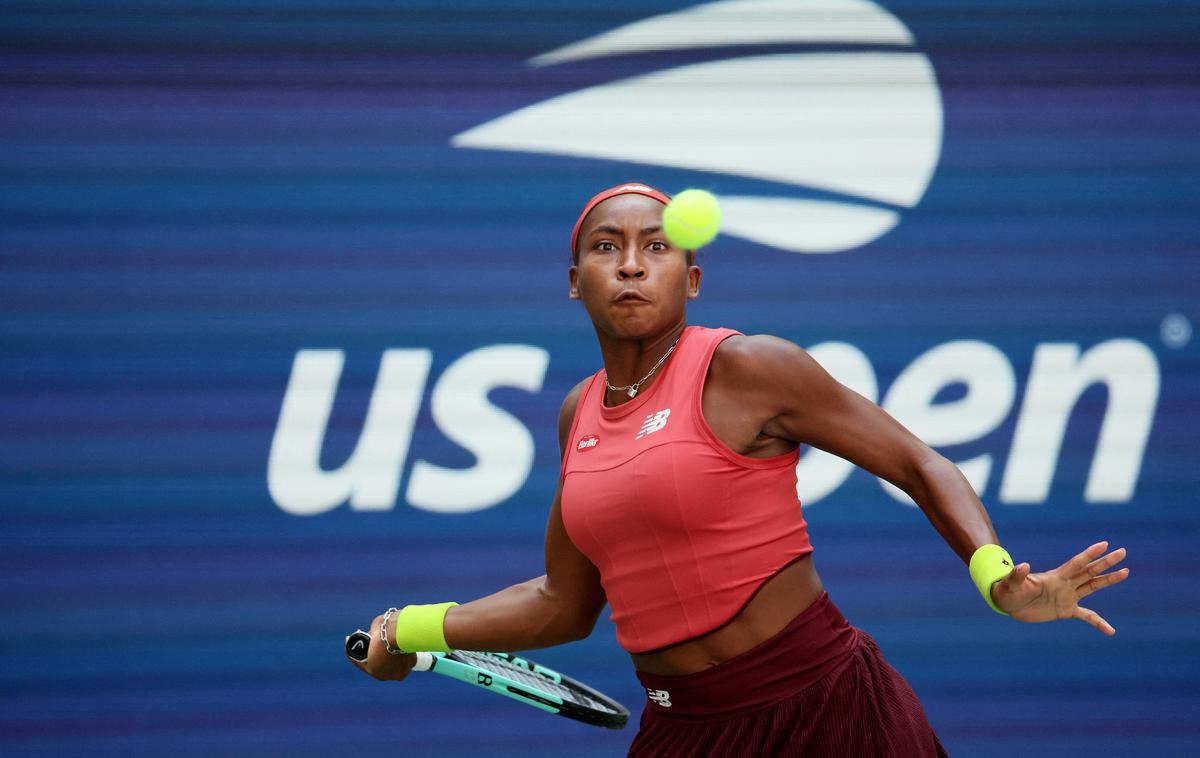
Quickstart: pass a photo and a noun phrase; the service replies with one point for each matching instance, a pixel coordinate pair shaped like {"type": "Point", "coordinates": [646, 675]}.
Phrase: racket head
{"type": "Point", "coordinates": [570, 697]}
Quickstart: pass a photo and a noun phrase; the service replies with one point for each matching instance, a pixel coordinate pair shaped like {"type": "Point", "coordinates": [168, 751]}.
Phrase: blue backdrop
{"type": "Point", "coordinates": [225, 225]}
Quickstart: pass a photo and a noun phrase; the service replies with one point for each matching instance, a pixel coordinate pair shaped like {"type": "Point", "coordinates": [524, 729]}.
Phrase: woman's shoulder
{"type": "Point", "coordinates": [742, 347]}
{"type": "Point", "coordinates": [744, 358]}
{"type": "Point", "coordinates": [571, 401]}
{"type": "Point", "coordinates": [566, 414]}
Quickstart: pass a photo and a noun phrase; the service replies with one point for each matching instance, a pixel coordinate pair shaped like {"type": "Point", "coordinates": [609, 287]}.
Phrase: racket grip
{"type": "Point", "coordinates": [359, 643]}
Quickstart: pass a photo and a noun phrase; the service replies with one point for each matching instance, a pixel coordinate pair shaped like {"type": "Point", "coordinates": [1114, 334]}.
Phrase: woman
{"type": "Point", "coordinates": [677, 504]}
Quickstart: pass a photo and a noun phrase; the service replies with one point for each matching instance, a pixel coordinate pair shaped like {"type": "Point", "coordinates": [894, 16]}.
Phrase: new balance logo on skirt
{"type": "Point", "coordinates": [653, 423]}
{"type": "Point", "coordinates": [662, 697]}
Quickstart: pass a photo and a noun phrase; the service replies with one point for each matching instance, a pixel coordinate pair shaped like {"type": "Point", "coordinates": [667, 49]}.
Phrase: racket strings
{"type": "Point", "coordinates": [536, 681]}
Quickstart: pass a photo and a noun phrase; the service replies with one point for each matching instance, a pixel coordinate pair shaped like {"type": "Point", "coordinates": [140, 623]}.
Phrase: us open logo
{"type": "Point", "coordinates": [857, 133]}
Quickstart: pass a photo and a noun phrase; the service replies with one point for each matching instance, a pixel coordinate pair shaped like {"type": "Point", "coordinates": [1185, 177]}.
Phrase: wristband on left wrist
{"type": "Point", "coordinates": [989, 564]}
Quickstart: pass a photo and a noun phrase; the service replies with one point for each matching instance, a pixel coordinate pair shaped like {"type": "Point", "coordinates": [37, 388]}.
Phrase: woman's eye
{"type": "Point", "coordinates": [607, 247]}
{"type": "Point", "coordinates": [658, 246]}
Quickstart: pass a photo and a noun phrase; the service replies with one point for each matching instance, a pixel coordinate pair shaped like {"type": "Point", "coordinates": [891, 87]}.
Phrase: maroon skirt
{"type": "Point", "coordinates": [818, 688]}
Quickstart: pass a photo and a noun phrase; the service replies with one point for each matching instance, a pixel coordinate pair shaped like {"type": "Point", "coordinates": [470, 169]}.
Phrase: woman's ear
{"type": "Point", "coordinates": [573, 277]}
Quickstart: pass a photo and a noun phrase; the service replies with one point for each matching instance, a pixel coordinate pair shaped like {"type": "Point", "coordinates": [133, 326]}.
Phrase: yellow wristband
{"type": "Point", "coordinates": [990, 564]}
{"type": "Point", "coordinates": [419, 628]}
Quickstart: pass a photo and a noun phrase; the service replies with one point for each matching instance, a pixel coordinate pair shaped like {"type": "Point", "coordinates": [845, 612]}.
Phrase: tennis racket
{"type": "Point", "coordinates": [518, 678]}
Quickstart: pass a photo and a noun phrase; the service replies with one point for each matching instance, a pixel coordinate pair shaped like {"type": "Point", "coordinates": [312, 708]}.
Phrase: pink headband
{"type": "Point", "coordinates": [632, 188]}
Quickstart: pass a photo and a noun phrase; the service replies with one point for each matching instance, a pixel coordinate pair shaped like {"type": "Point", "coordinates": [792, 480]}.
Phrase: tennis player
{"type": "Point", "coordinates": [677, 504]}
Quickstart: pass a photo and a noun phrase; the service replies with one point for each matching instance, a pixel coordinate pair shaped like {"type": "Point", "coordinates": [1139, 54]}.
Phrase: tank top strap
{"type": "Point", "coordinates": [582, 408]}
{"type": "Point", "coordinates": [687, 379]}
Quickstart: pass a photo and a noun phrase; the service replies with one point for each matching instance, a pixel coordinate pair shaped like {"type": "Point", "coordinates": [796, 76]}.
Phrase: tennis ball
{"type": "Point", "coordinates": [692, 218]}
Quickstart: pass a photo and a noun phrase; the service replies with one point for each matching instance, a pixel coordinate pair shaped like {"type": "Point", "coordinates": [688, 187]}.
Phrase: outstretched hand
{"type": "Point", "coordinates": [1055, 594]}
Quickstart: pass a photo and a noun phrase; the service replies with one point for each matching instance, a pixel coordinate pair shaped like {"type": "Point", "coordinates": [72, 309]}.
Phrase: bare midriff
{"type": "Point", "coordinates": [780, 599]}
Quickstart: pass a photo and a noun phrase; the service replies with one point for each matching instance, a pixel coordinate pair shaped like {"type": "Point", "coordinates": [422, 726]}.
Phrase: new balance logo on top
{"type": "Point", "coordinates": [653, 423]}
{"type": "Point", "coordinates": [662, 697]}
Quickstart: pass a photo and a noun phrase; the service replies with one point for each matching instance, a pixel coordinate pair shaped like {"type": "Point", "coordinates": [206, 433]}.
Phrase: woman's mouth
{"type": "Point", "coordinates": [630, 296]}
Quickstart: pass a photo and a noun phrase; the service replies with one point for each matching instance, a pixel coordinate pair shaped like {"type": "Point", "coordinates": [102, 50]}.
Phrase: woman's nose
{"type": "Point", "coordinates": [631, 266]}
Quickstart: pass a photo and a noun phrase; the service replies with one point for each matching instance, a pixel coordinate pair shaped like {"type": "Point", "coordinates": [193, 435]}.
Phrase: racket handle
{"type": "Point", "coordinates": [424, 662]}
{"type": "Point", "coordinates": [359, 643]}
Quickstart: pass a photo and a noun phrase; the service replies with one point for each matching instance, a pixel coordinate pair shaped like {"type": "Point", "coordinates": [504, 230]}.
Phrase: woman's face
{"type": "Point", "coordinates": [632, 282]}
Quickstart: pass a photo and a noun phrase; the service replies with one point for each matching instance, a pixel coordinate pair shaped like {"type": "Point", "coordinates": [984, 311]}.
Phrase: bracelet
{"type": "Point", "coordinates": [419, 628]}
{"type": "Point", "coordinates": [990, 564]}
{"type": "Point", "coordinates": [383, 634]}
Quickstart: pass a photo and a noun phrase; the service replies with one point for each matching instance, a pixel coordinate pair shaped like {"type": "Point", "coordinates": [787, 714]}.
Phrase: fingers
{"type": "Point", "coordinates": [1092, 562]}
{"type": "Point", "coordinates": [1016, 577]}
{"type": "Point", "coordinates": [1100, 565]}
{"type": "Point", "coordinates": [1102, 581]}
{"type": "Point", "coordinates": [1079, 563]}
{"type": "Point", "coordinates": [1093, 618]}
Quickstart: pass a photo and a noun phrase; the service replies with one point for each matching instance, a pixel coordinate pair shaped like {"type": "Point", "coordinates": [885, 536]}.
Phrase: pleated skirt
{"type": "Point", "coordinates": [818, 688]}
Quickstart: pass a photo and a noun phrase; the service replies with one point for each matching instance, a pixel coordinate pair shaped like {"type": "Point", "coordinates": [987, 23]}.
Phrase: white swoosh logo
{"type": "Point", "coordinates": [863, 126]}
{"type": "Point", "coordinates": [743, 22]}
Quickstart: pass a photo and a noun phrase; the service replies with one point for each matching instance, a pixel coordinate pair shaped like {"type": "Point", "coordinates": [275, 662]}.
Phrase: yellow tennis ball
{"type": "Point", "coordinates": [692, 218]}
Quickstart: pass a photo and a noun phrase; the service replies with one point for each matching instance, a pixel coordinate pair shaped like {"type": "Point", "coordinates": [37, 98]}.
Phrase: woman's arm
{"type": "Point", "coordinates": [560, 606]}
{"type": "Point", "coordinates": [801, 402]}
{"type": "Point", "coordinates": [797, 400]}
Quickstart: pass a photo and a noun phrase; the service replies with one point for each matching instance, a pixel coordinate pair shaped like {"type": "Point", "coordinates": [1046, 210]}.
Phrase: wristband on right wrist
{"type": "Point", "coordinates": [990, 564]}
{"type": "Point", "coordinates": [419, 628]}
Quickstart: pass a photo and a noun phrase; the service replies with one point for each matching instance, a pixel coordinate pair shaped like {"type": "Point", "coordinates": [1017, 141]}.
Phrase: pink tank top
{"type": "Point", "coordinates": [682, 529]}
